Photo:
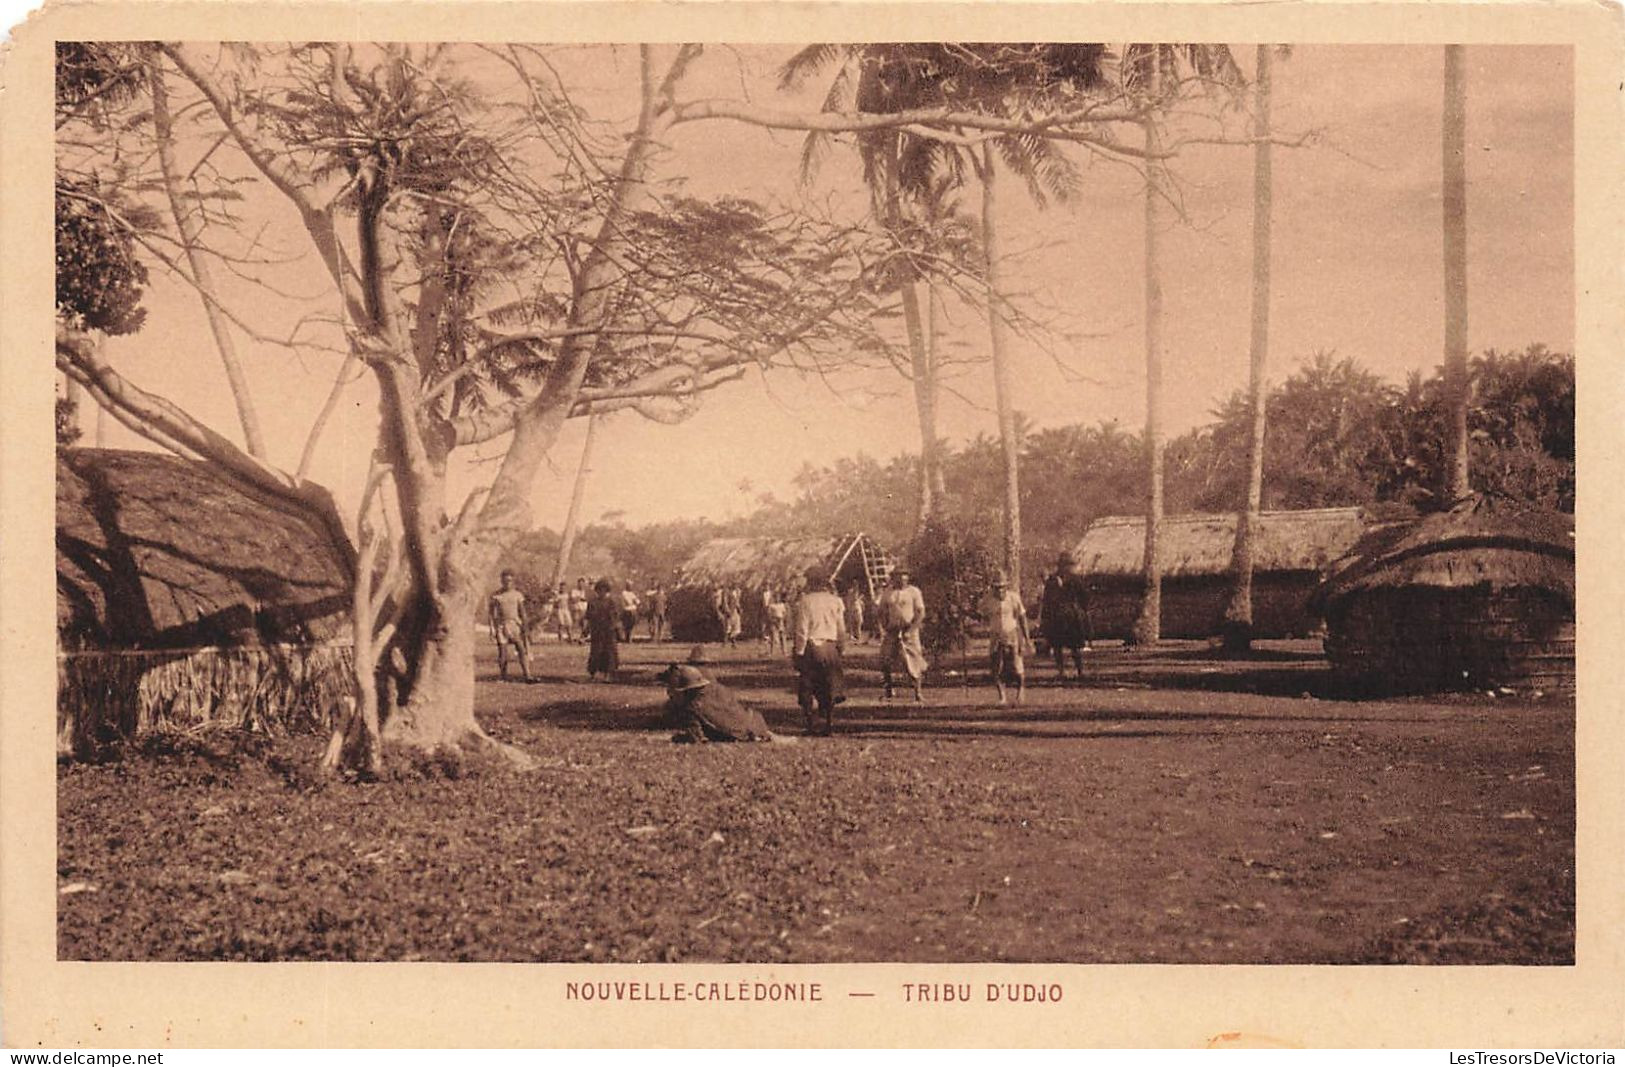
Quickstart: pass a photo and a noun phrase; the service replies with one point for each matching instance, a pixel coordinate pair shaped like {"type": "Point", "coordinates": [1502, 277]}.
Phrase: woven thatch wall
{"type": "Point", "coordinates": [1193, 607]}
{"type": "Point", "coordinates": [185, 599]}
{"type": "Point", "coordinates": [1200, 545]}
{"type": "Point", "coordinates": [1478, 596]}
{"type": "Point", "coordinates": [752, 564]}
{"type": "Point", "coordinates": [104, 696]}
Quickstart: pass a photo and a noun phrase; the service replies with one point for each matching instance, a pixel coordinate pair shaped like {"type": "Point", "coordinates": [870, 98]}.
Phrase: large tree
{"type": "Point", "coordinates": [409, 185]}
{"type": "Point", "coordinates": [1454, 185]}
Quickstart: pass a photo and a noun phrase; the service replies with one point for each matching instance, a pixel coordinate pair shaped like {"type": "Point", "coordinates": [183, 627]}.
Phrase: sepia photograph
{"type": "Point", "coordinates": [918, 502]}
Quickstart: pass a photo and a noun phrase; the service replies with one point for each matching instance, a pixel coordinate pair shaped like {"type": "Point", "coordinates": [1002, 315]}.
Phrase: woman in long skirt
{"type": "Point", "coordinates": [603, 624]}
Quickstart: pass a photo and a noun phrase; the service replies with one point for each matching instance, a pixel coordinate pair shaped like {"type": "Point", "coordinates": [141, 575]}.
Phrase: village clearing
{"type": "Point", "coordinates": [1179, 807]}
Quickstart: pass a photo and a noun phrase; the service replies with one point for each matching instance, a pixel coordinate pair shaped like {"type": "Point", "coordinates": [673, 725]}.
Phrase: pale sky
{"type": "Point", "coordinates": [1357, 269]}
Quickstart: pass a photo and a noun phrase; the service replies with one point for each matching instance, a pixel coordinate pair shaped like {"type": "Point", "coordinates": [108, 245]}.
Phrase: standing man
{"type": "Point", "coordinates": [509, 625]}
{"type": "Point", "coordinates": [564, 620]}
{"type": "Point", "coordinates": [578, 607]}
{"type": "Point", "coordinates": [1063, 614]}
{"type": "Point", "coordinates": [603, 626]}
{"type": "Point", "coordinates": [1007, 637]}
{"type": "Point", "coordinates": [816, 648]}
{"type": "Point", "coordinates": [657, 612]}
{"type": "Point", "coordinates": [629, 611]}
{"type": "Point", "coordinates": [854, 612]}
{"type": "Point", "coordinates": [902, 614]}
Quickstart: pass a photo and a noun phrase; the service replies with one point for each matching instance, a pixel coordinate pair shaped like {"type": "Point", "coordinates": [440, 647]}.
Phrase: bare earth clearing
{"type": "Point", "coordinates": [1173, 810]}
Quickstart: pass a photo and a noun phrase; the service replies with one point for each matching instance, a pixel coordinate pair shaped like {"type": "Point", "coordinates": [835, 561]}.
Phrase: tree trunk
{"type": "Point", "coordinates": [997, 331]}
{"type": "Point", "coordinates": [1148, 627]}
{"type": "Point", "coordinates": [933, 353]}
{"type": "Point", "coordinates": [1456, 481]}
{"type": "Point", "coordinates": [1238, 617]}
{"type": "Point", "coordinates": [567, 539]}
{"type": "Point", "coordinates": [923, 374]}
{"type": "Point", "coordinates": [190, 228]}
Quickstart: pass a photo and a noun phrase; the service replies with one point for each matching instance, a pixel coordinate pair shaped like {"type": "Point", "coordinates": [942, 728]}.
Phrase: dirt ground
{"type": "Point", "coordinates": [1177, 807]}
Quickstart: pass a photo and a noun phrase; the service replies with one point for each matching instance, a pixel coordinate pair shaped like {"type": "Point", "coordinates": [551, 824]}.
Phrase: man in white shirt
{"type": "Point", "coordinates": [1008, 638]}
{"type": "Point", "coordinates": [901, 614]}
{"type": "Point", "coordinates": [817, 644]}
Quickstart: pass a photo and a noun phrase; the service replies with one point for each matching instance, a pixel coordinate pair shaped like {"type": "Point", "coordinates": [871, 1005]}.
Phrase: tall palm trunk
{"type": "Point", "coordinates": [1238, 618]}
{"type": "Point", "coordinates": [567, 539]}
{"type": "Point", "coordinates": [1456, 484]}
{"type": "Point", "coordinates": [998, 336]}
{"type": "Point", "coordinates": [922, 371]}
{"type": "Point", "coordinates": [1148, 627]}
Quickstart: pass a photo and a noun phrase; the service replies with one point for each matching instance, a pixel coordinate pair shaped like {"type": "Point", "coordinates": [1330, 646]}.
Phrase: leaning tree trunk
{"type": "Point", "coordinates": [1148, 627]}
{"type": "Point", "coordinates": [1456, 483]}
{"type": "Point", "coordinates": [190, 227]}
{"type": "Point", "coordinates": [572, 517]}
{"type": "Point", "coordinates": [998, 336]}
{"type": "Point", "coordinates": [1238, 617]}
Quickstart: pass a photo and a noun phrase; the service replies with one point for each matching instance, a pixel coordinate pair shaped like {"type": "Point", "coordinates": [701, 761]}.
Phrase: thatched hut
{"type": "Point", "coordinates": [1291, 551]}
{"type": "Point", "coordinates": [184, 598]}
{"type": "Point", "coordinates": [757, 563]}
{"type": "Point", "coordinates": [1476, 597]}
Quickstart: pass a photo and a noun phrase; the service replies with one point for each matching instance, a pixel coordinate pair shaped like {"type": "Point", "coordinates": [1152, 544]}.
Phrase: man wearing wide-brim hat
{"type": "Point", "coordinates": [704, 709]}
{"type": "Point", "coordinates": [1008, 640]}
{"type": "Point", "coordinates": [1063, 614]}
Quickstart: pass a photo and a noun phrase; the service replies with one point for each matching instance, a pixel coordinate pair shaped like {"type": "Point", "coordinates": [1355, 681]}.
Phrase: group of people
{"type": "Point", "coordinates": [814, 624]}
{"type": "Point", "coordinates": [602, 620]}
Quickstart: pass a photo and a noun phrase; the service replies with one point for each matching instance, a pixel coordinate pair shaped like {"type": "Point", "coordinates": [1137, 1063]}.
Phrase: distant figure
{"type": "Point", "coordinates": [733, 615]}
{"type": "Point", "coordinates": [578, 606]}
{"type": "Point", "coordinates": [603, 624]}
{"type": "Point", "coordinates": [1008, 638]}
{"type": "Point", "coordinates": [704, 709]}
{"type": "Point", "coordinates": [629, 611]}
{"type": "Point", "coordinates": [816, 648]}
{"type": "Point", "coordinates": [658, 603]}
{"type": "Point", "coordinates": [510, 625]}
{"type": "Point", "coordinates": [719, 609]}
{"type": "Point", "coordinates": [1063, 614]}
{"type": "Point", "coordinates": [902, 614]}
{"type": "Point", "coordinates": [776, 615]}
{"type": "Point", "coordinates": [561, 615]}
{"type": "Point", "coordinates": [854, 612]}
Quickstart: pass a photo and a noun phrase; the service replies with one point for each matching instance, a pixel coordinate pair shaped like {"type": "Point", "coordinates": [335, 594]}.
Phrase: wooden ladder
{"type": "Point", "coordinates": [877, 566]}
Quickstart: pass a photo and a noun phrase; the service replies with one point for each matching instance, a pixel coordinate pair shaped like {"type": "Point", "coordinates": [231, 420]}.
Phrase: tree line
{"type": "Point", "coordinates": [1337, 435]}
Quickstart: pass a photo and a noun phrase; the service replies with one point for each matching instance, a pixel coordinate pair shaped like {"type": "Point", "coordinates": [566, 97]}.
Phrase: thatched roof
{"type": "Point", "coordinates": [754, 562]}
{"type": "Point", "coordinates": [1203, 545]}
{"type": "Point", "coordinates": [1481, 542]}
{"type": "Point", "coordinates": [156, 551]}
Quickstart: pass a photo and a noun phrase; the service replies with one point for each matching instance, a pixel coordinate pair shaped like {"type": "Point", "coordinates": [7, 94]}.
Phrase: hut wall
{"type": "Point", "coordinates": [110, 695]}
{"type": "Point", "coordinates": [1424, 639]}
{"type": "Point", "coordinates": [1193, 606]}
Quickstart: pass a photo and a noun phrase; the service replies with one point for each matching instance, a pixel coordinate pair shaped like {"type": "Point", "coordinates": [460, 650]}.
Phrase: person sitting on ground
{"type": "Point", "coordinates": [510, 624]}
{"type": "Point", "coordinates": [1008, 638]}
{"type": "Point", "coordinates": [704, 709]}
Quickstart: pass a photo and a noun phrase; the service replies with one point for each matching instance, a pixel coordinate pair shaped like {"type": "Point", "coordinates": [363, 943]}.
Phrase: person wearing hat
{"type": "Point", "coordinates": [704, 709]}
{"type": "Point", "coordinates": [603, 631]}
{"type": "Point", "coordinates": [1063, 614]}
{"type": "Point", "coordinates": [1007, 637]}
{"type": "Point", "coordinates": [817, 645]}
{"type": "Point", "coordinates": [510, 625]}
{"type": "Point", "coordinates": [901, 614]}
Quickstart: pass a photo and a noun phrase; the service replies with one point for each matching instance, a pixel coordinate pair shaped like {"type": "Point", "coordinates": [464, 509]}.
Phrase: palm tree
{"type": "Point", "coordinates": [986, 77]}
{"type": "Point", "coordinates": [1456, 483]}
{"type": "Point", "coordinates": [1155, 73]}
{"type": "Point", "coordinates": [1238, 616]}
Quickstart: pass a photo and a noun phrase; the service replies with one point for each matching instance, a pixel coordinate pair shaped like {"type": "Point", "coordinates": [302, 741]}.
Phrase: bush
{"type": "Point", "coordinates": [953, 567]}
